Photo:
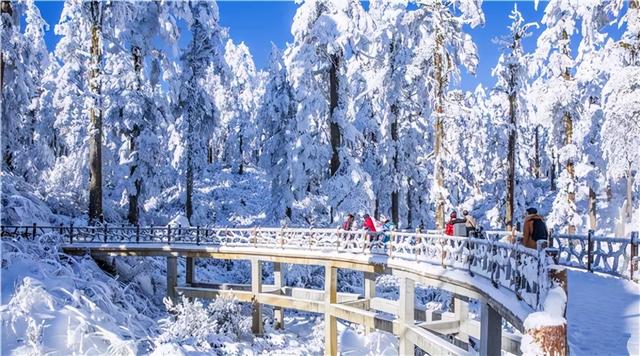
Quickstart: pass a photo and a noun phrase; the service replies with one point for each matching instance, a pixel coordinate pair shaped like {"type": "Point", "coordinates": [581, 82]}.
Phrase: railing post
{"type": "Point", "coordinates": [206, 235]}
{"type": "Point", "coordinates": [589, 250]}
{"type": "Point", "coordinates": [61, 229]}
{"type": "Point", "coordinates": [406, 311]}
{"type": "Point", "coordinates": [190, 266]}
{"type": "Point", "coordinates": [198, 235]}
{"type": "Point", "coordinates": [256, 289]}
{"type": "Point", "coordinates": [137, 233]}
{"type": "Point", "coordinates": [34, 231]}
{"type": "Point", "coordinates": [172, 278]}
{"type": "Point", "coordinates": [71, 233]}
{"type": "Point", "coordinates": [550, 239]}
{"type": "Point", "coordinates": [278, 281]}
{"type": "Point", "coordinates": [105, 233]}
{"type": "Point", "coordinates": [179, 232]}
{"type": "Point", "coordinates": [634, 254]}
{"type": "Point", "coordinates": [490, 331]}
{"type": "Point", "coordinates": [330, 321]}
{"type": "Point", "coordinates": [168, 234]}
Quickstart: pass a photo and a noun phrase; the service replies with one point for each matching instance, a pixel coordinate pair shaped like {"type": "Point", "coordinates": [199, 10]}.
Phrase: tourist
{"type": "Point", "coordinates": [368, 224]}
{"type": "Point", "coordinates": [535, 229]}
{"type": "Point", "coordinates": [455, 226]}
{"type": "Point", "coordinates": [387, 225]}
{"type": "Point", "coordinates": [348, 222]}
{"type": "Point", "coordinates": [470, 223]}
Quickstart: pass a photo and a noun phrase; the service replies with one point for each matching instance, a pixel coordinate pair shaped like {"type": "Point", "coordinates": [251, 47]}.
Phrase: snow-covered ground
{"type": "Point", "coordinates": [603, 314]}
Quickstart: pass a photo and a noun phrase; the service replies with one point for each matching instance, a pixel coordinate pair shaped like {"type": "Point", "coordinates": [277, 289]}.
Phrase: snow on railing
{"type": "Point", "coordinates": [511, 266]}
{"type": "Point", "coordinates": [611, 255]}
{"type": "Point", "coordinates": [505, 264]}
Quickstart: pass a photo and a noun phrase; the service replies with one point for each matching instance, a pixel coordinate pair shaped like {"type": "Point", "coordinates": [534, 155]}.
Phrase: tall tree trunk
{"type": "Point", "coordinates": [552, 171]}
{"type": "Point", "coordinates": [568, 131]}
{"type": "Point", "coordinates": [511, 155]}
{"type": "Point", "coordinates": [439, 131]}
{"type": "Point", "coordinates": [188, 206]}
{"type": "Point", "coordinates": [409, 205]}
{"type": "Point", "coordinates": [395, 194]}
{"type": "Point", "coordinates": [132, 216]}
{"type": "Point", "coordinates": [536, 163]}
{"type": "Point", "coordinates": [629, 205]}
{"type": "Point", "coordinates": [209, 152]}
{"type": "Point", "coordinates": [334, 128]}
{"type": "Point", "coordinates": [571, 194]}
{"type": "Point", "coordinates": [241, 169]}
{"type": "Point", "coordinates": [333, 104]}
{"type": "Point", "coordinates": [5, 8]}
{"type": "Point", "coordinates": [592, 209]}
{"type": "Point", "coordinates": [376, 210]}
{"type": "Point", "coordinates": [95, 117]}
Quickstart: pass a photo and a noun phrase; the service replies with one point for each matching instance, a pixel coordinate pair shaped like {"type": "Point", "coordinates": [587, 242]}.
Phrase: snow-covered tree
{"type": "Point", "coordinates": [621, 102]}
{"type": "Point", "coordinates": [275, 117]}
{"type": "Point", "coordinates": [326, 34]}
{"type": "Point", "coordinates": [88, 30]}
{"type": "Point", "coordinates": [559, 104]}
{"type": "Point", "coordinates": [136, 106]}
{"type": "Point", "coordinates": [195, 108]}
{"type": "Point", "coordinates": [242, 92]}
{"type": "Point", "coordinates": [23, 60]}
{"type": "Point", "coordinates": [511, 73]}
{"type": "Point", "coordinates": [441, 48]}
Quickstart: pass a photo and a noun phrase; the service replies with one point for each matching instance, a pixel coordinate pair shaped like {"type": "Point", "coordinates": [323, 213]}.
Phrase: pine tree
{"type": "Point", "coordinates": [446, 47]}
{"type": "Point", "coordinates": [561, 106]}
{"type": "Point", "coordinates": [621, 101]}
{"type": "Point", "coordinates": [275, 114]}
{"type": "Point", "coordinates": [512, 75]}
{"type": "Point", "coordinates": [195, 107]}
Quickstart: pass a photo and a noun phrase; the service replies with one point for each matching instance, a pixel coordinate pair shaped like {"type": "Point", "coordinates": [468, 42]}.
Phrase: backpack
{"type": "Point", "coordinates": [539, 231]}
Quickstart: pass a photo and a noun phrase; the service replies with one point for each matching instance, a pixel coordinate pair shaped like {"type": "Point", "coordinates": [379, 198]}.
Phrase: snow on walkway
{"type": "Point", "coordinates": [604, 315]}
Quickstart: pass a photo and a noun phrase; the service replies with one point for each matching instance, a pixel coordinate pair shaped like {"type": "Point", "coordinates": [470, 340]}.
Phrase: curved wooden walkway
{"type": "Point", "coordinates": [505, 278]}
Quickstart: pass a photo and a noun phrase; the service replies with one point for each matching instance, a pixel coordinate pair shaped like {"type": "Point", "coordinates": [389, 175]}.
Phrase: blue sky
{"type": "Point", "coordinates": [258, 23]}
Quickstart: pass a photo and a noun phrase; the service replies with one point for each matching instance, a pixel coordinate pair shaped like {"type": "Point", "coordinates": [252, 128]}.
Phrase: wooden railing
{"type": "Point", "coordinates": [508, 265]}
{"type": "Point", "coordinates": [617, 256]}
{"type": "Point", "coordinates": [505, 264]}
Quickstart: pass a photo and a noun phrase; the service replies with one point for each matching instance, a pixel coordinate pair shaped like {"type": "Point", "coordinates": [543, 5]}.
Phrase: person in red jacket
{"type": "Point", "coordinates": [368, 224]}
{"type": "Point", "coordinates": [448, 229]}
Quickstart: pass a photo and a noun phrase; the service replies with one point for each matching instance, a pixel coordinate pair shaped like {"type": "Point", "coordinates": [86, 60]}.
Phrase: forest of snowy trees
{"type": "Point", "coordinates": [141, 101]}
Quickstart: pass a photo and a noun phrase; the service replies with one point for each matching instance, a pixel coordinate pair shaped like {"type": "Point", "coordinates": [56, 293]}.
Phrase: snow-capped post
{"type": "Point", "coordinates": [633, 259]}
{"type": "Point", "coordinates": [137, 233]}
{"type": "Point", "coordinates": [71, 233]}
{"type": "Point", "coordinates": [589, 250]}
{"type": "Point", "coordinates": [546, 330]}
